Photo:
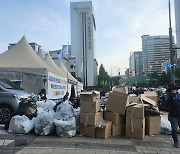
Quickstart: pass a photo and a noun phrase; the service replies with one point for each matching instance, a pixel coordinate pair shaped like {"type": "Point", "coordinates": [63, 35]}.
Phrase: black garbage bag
{"type": "Point", "coordinates": [28, 108]}
{"type": "Point", "coordinates": [151, 111]}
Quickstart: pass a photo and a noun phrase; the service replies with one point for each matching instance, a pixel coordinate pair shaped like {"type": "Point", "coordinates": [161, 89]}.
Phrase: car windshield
{"type": "Point", "coordinates": [6, 86]}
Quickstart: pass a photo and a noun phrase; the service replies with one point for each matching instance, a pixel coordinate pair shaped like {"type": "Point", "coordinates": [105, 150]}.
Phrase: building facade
{"type": "Point", "coordinates": [177, 22]}
{"type": "Point", "coordinates": [135, 63]}
{"type": "Point", "coordinates": [83, 28]}
{"type": "Point", "coordinates": [155, 50]}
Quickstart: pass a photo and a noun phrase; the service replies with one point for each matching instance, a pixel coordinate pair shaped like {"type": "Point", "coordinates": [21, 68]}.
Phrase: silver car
{"type": "Point", "coordinates": [9, 100]}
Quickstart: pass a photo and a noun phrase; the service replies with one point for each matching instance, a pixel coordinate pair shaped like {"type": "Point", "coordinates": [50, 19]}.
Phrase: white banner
{"type": "Point", "coordinates": [57, 87]}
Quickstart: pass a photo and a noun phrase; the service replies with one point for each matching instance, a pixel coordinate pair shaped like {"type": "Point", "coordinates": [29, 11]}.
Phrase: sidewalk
{"type": "Point", "coordinates": [85, 145]}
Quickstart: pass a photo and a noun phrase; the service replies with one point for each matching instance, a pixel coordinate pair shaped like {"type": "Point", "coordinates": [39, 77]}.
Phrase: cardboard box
{"type": "Point", "coordinates": [92, 119]}
{"type": "Point", "coordinates": [90, 107]}
{"type": "Point", "coordinates": [135, 128]}
{"type": "Point", "coordinates": [118, 130]}
{"type": "Point", "coordinates": [148, 100]}
{"type": "Point", "coordinates": [123, 89]}
{"type": "Point", "coordinates": [152, 95]}
{"type": "Point", "coordinates": [89, 131]}
{"type": "Point", "coordinates": [133, 98]}
{"type": "Point", "coordinates": [104, 133]}
{"type": "Point", "coordinates": [90, 96]}
{"type": "Point", "coordinates": [117, 102]}
{"type": "Point", "coordinates": [116, 118]}
{"type": "Point", "coordinates": [153, 125]}
{"type": "Point", "coordinates": [135, 111]}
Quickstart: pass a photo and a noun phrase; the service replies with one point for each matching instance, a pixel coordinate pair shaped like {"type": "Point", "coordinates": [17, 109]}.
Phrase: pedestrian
{"type": "Point", "coordinates": [66, 97]}
{"type": "Point", "coordinates": [173, 103]}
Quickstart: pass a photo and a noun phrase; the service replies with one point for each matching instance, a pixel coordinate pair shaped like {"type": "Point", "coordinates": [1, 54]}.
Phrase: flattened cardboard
{"type": "Point", "coordinates": [148, 100]}
{"type": "Point", "coordinates": [153, 125]}
{"type": "Point", "coordinates": [90, 119]}
{"type": "Point", "coordinates": [117, 102]}
{"type": "Point", "coordinates": [116, 118]}
{"type": "Point", "coordinates": [135, 128]}
{"type": "Point", "coordinates": [104, 133]}
{"type": "Point", "coordinates": [135, 111]}
{"type": "Point", "coordinates": [90, 96]}
{"type": "Point", "coordinates": [118, 130]}
{"type": "Point", "coordinates": [90, 107]}
{"type": "Point", "coordinates": [152, 95]}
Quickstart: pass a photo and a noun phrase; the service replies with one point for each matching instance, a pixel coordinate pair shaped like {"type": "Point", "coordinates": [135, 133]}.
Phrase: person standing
{"type": "Point", "coordinates": [173, 103]}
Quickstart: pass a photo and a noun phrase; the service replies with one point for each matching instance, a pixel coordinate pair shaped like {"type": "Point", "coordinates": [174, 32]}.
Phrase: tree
{"type": "Point", "coordinates": [164, 78]}
{"type": "Point", "coordinates": [103, 78]}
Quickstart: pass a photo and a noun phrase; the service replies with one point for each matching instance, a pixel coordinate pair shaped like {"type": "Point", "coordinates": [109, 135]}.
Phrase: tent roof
{"type": "Point", "coordinates": [137, 78]}
{"type": "Point", "coordinates": [63, 69]}
{"type": "Point", "coordinates": [48, 60]}
{"type": "Point", "coordinates": [21, 55]}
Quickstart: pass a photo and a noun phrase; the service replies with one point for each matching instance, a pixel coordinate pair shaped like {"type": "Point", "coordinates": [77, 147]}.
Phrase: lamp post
{"type": "Point", "coordinates": [171, 47]}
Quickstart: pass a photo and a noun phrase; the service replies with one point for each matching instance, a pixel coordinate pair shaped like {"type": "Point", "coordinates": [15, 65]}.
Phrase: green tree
{"type": "Point", "coordinates": [103, 78]}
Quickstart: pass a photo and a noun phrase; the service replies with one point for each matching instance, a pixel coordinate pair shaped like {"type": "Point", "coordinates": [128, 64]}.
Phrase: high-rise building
{"type": "Point", "coordinates": [177, 20]}
{"type": "Point", "coordinates": [155, 50]}
{"type": "Point", "coordinates": [135, 63]}
{"type": "Point", "coordinates": [83, 28]}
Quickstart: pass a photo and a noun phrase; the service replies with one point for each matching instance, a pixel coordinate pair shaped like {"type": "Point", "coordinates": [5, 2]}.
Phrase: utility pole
{"type": "Point", "coordinates": [171, 47]}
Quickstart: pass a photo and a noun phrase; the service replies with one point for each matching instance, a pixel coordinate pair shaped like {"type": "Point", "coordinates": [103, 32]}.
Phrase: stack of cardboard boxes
{"type": "Point", "coordinates": [120, 104]}
{"type": "Point", "coordinates": [124, 115]}
{"type": "Point", "coordinates": [91, 118]}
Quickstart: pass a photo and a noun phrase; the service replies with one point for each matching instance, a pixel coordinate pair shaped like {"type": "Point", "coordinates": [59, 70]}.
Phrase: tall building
{"type": "Point", "coordinates": [83, 28]}
{"type": "Point", "coordinates": [177, 20]}
{"type": "Point", "coordinates": [155, 50]}
{"type": "Point", "coordinates": [135, 63]}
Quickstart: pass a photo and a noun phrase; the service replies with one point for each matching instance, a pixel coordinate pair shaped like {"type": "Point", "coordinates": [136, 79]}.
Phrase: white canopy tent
{"type": "Point", "coordinates": [21, 62]}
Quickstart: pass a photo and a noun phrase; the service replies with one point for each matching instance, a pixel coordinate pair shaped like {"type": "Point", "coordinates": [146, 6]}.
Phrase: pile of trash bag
{"type": "Point", "coordinates": [64, 120]}
{"type": "Point", "coordinates": [44, 122]}
{"type": "Point", "coordinates": [41, 117]}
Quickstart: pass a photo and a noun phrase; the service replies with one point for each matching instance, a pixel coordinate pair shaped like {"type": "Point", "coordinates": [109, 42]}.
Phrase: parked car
{"type": "Point", "coordinates": [9, 100]}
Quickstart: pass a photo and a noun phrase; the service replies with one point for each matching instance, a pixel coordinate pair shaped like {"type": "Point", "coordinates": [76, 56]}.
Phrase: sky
{"type": "Point", "coordinates": [120, 25]}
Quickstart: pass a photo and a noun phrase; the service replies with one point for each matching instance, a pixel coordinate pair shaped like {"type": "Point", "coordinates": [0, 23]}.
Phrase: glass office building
{"type": "Point", "coordinates": [155, 50]}
{"type": "Point", "coordinates": [83, 28]}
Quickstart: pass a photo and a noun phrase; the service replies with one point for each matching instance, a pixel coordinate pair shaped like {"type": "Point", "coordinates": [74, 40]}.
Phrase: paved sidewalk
{"type": "Point", "coordinates": [85, 145]}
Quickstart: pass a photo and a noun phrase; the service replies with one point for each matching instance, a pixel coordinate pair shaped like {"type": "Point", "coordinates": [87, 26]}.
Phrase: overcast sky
{"type": "Point", "coordinates": [120, 25]}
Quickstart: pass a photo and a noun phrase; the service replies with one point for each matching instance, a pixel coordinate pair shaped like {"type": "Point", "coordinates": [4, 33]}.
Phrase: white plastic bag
{"type": "Point", "coordinates": [21, 124]}
{"type": "Point", "coordinates": [65, 128]}
{"type": "Point", "coordinates": [44, 123]}
{"type": "Point", "coordinates": [165, 125]}
{"type": "Point", "coordinates": [64, 111]}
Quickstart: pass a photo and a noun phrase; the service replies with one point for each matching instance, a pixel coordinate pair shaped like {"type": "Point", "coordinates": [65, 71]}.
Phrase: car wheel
{"type": "Point", "coordinates": [5, 113]}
